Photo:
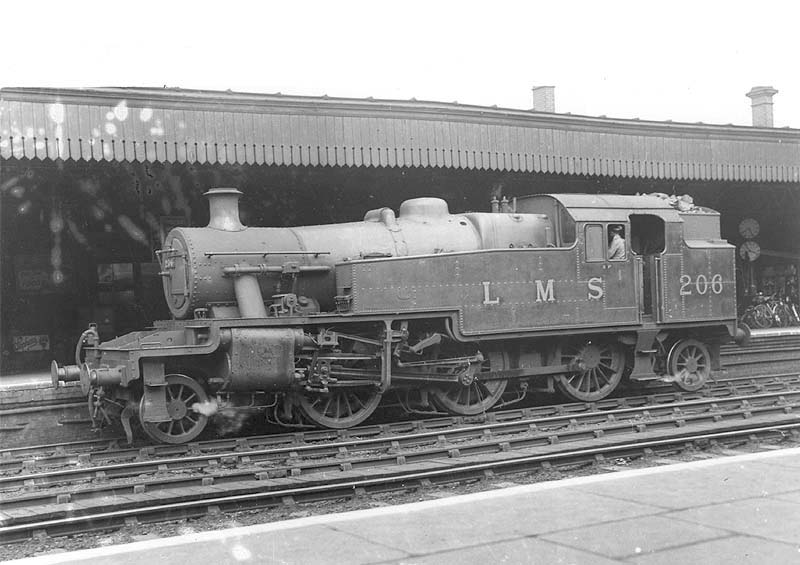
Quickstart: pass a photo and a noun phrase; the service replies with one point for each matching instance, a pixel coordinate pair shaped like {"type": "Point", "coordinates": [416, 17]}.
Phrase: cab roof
{"type": "Point", "coordinates": [608, 207]}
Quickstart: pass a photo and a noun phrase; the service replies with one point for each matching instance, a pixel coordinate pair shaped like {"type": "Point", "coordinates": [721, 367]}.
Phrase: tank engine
{"type": "Point", "coordinates": [453, 312]}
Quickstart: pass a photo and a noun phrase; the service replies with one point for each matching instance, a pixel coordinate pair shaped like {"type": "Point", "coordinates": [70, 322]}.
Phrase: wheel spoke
{"type": "Point", "coordinates": [608, 366]}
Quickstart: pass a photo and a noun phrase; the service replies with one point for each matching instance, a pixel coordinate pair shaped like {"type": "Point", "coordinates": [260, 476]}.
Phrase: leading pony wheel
{"type": "Point", "coordinates": [339, 408]}
{"type": "Point", "coordinates": [600, 365]}
{"type": "Point", "coordinates": [185, 423]}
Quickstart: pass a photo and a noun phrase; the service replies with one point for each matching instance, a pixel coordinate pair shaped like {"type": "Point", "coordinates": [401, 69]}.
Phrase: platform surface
{"type": "Point", "coordinates": [738, 509]}
{"type": "Point", "coordinates": [38, 379]}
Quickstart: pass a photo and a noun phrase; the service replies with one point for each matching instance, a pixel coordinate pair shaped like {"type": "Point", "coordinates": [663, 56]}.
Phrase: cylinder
{"type": "Point", "coordinates": [260, 358]}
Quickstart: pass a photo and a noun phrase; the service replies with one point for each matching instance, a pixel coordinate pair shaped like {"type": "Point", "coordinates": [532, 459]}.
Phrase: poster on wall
{"type": "Point", "coordinates": [27, 343]}
{"type": "Point", "coordinates": [33, 273]}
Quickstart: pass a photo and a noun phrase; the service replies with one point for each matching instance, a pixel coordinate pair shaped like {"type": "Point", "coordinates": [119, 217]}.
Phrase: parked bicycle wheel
{"type": "Point", "coordinates": [795, 315]}
{"type": "Point", "coordinates": [782, 315]}
{"type": "Point", "coordinates": [762, 316]}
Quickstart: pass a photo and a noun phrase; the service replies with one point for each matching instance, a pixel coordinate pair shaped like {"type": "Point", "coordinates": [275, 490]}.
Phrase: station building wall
{"type": "Point", "coordinates": [78, 238]}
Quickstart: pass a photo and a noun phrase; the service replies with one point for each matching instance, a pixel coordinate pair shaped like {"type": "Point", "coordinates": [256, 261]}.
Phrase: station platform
{"type": "Point", "coordinates": [34, 379]}
{"type": "Point", "coordinates": [735, 509]}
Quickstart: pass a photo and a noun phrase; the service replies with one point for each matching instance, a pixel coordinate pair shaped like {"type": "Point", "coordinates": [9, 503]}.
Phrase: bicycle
{"type": "Point", "coordinates": [780, 312]}
{"type": "Point", "coordinates": [792, 311]}
{"type": "Point", "coordinates": [766, 312]}
{"type": "Point", "coordinates": [757, 315]}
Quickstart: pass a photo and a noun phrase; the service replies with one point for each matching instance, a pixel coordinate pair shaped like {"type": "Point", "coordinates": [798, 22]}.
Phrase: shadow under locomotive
{"type": "Point", "coordinates": [453, 312]}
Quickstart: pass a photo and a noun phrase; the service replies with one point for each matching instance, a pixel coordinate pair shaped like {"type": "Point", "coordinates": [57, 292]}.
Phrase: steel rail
{"type": "Point", "coordinates": [244, 449]}
{"type": "Point", "coordinates": [487, 438]}
{"type": "Point", "coordinates": [82, 453]}
{"type": "Point", "coordinates": [296, 469]}
{"type": "Point", "coordinates": [457, 471]}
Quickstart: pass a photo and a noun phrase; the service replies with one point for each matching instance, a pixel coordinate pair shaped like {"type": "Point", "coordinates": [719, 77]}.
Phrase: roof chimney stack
{"type": "Point", "coordinates": [762, 105]}
{"type": "Point", "coordinates": [544, 99]}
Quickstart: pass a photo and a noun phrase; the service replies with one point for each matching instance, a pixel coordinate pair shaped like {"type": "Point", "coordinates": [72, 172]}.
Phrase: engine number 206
{"type": "Point", "coordinates": [700, 284]}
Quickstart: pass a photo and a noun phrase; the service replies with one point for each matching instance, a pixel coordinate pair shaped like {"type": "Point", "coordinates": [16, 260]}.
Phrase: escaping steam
{"type": "Point", "coordinates": [207, 408]}
{"type": "Point", "coordinates": [227, 419]}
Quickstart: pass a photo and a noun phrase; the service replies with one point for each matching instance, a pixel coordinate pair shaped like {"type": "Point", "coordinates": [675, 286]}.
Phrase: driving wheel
{"type": "Point", "coordinates": [600, 365]}
{"type": "Point", "coordinates": [477, 396]}
{"type": "Point", "coordinates": [341, 407]}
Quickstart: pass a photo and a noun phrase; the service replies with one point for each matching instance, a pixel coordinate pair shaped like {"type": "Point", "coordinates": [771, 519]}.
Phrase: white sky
{"type": "Point", "coordinates": [668, 60]}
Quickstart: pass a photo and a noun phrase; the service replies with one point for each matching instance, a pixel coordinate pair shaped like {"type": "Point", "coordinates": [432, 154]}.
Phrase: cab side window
{"type": "Point", "coordinates": [595, 242]}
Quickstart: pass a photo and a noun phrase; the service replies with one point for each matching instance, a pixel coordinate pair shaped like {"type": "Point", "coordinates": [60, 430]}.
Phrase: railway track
{"type": "Point", "coordinates": [91, 452]}
{"type": "Point", "coordinates": [189, 486]}
{"type": "Point", "coordinates": [21, 424]}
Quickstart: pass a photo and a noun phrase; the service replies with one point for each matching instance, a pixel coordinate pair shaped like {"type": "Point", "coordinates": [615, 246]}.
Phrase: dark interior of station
{"type": "Point", "coordinates": [78, 239]}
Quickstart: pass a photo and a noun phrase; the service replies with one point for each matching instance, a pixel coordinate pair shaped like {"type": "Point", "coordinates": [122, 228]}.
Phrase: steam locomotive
{"type": "Point", "coordinates": [450, 312]}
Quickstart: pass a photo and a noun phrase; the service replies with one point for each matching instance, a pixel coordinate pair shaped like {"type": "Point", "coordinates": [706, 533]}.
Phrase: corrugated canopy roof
{"type": "Point", "coordinates": [121, 124]}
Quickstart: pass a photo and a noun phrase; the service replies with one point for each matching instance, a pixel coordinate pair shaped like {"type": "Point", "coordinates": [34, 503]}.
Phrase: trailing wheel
{"type": "Point", "coordinates": [341, 407]}
{"type": "Point", "coordinates": [185, 423]}
{"type": "Point", "coordinates": [600, 365]}
{"type": "Point", "coordinates": [475, 396]}
{"type": "Point", "coordinates": [689, 364]}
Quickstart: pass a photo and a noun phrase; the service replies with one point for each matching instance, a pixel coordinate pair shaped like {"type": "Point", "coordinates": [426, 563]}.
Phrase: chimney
{"type": "Point", "coordinates": [762, 105]}
{"type": "Point", "coordinates": [223, 205]}
{"type": "Point", "coordinates": [544, 99]}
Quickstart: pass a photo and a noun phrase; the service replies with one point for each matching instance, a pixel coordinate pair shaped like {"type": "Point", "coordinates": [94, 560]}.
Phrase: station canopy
{"type": "Point", "coordinates": [183, 126]}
